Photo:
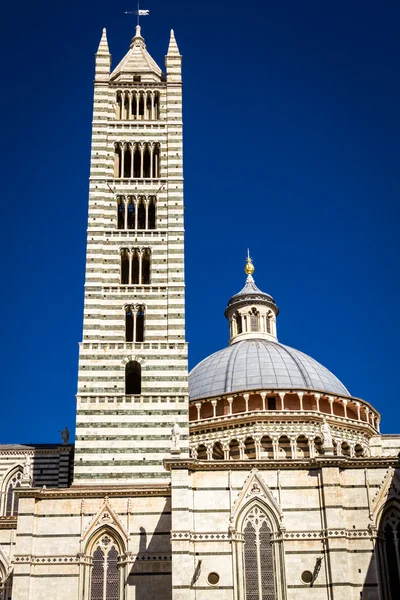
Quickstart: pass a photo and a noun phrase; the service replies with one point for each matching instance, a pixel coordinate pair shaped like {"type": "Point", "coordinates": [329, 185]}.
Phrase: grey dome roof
{"type": "Point", "coordinates": [260, 364]}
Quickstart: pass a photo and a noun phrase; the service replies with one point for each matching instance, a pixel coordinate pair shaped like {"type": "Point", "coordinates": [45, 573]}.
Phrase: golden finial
{"type": "Point", "coordinates": [249, 267]}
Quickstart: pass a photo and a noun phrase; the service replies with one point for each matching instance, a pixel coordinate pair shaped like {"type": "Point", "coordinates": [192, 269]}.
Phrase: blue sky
{"type": "Point", "coordinates": [291, 148]}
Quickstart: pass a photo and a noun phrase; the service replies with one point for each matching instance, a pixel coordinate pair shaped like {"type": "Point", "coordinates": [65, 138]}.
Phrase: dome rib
{"type": "Point", "coordinates": [260, 364]}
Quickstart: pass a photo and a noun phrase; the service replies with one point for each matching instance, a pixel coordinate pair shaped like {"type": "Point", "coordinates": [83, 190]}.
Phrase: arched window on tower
{"type": "Point", "coordinates": [141, 214]}
{"type": "Point", "coordinates": [11, 500]}
{"type": "Point", "coordinates": [136, 161]}
{"type": "Point", "coordinates": [135, 267]}
{"type": "Point", "coordinates": [127, 162]}
{"type": "Point", "coordinates": [156, 161]}
{"type": "Point", "coordinates": [131, 214]}
{"type": "Point", "coordinates": [146, 162]}
{"type": "Point", "coordinates": [133, 379]}
{"type": "Point", "coordinates": [105, 572]}
{"type": "Point", "coordinates": [134, 323]}
{"type": "Point", "coordinates": [152, 213]}
{"type": "Point", "coordinates": [146, 266]}
{"type": "Point", "coordinates": [124, 267]}
{"type": "Point", "coordinates": [121, 213]}
{"type": "Point", "coordinates": [117, 160]}
{"type": "Point", "coordinates": [140, 324]}
{"type": "Point", "coordinates": [129, 324]}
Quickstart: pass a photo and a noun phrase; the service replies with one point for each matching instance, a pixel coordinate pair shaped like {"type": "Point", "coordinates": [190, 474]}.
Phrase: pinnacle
{"type": "Point", "coordinates": [173, 49]}
{"type": "Point", "coordinates": [103, 46]}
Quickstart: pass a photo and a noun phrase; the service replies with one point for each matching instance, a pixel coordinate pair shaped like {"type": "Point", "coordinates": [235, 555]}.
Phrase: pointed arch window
{"type": "Point", "coordinates": [258, 557]}
{"type": "Point", "coordinates": [105, 576]}
{"type": "Point", "coordinates": [11, 500]}
{"type": "Point", "coordinates": [390, 554]}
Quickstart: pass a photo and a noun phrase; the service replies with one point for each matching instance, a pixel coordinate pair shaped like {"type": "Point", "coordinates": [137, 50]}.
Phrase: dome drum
{"type": "Point", "coordinates": [288, 405]}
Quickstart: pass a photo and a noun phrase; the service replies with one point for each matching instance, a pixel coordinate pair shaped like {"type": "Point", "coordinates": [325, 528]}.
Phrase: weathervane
{"type": "Point", "coordinates": [139, 13]}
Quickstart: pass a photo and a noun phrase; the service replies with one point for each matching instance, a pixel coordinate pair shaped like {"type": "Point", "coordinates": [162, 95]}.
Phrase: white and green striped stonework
{"type": "Point", "coordinates": [119, 437]}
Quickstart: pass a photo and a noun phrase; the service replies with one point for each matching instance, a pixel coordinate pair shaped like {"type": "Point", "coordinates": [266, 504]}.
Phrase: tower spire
{"type": "Point", "coordinates": [103, 45]}
{"type": "Point", "coordinates": [103, 59]}
{"type": "Point", "coordinates": [173, 49]}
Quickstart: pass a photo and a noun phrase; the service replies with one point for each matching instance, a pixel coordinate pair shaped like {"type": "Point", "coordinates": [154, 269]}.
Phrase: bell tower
{"type": "Point", "coordinates": [132, 384]}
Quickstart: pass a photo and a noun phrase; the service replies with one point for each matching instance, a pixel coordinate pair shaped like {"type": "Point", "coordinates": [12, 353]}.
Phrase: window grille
{"type": "Point", "coordinates": [11, 498]}
{"type": "Point", "coordinates": [105, 571]}
{"type": "Point", "coordinates": [258, 557]}
{"type": "Point", "coordinates": [392, 552]}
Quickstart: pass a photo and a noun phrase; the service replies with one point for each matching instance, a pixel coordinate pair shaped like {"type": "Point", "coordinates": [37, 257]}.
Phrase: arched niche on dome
{"type": "Point", "coordinates": [192, 413]}
{"type": "Point", "coordinates": [338, 408]}
{"type": "Point", "coordinates": [222, 407]}
{"type": "Point", "coordinates": [238, 404]}
{"type": "Point", "coordinates": [324, 406]}
{"type": "Point", "coordinates": [309, 402]}
{"type": "Point", "coordinates": [206, 410]}
{"type": "Point", "coordinates": [255, 402]}
{"type": "Point", "coordinates": [292, 401]}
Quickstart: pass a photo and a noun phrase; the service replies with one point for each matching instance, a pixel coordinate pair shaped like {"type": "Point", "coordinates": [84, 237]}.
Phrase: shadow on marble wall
{"type": "Point", "coordinates": [150, 574]}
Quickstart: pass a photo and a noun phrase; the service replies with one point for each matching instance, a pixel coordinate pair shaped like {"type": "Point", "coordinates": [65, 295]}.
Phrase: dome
{"type": "Point", "coordinates": [260, 364]}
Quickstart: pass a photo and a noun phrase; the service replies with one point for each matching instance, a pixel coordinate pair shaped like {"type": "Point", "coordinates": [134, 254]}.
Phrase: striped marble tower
{"type": "Point", "coordinates": [132, 385]}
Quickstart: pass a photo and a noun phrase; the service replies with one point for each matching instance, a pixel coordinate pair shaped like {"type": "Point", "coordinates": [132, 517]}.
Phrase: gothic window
{"type": "Point", "coordinates": [146, 162]}
{"type": "Point", "coordinates": [134, 324]}
{"type": "Point", "coordinates": [140, 324]}
{"type": "Point", "coordinates": [11, 500]}
{"type": "Point", "coordinates": [133, 379]}
{"type": "Point", "coordinates": [105, 571]}
{"type": "Point", "coordinates": [390, 554]}
{"type": "Point", "coordinates": [136, 162]}
{"type": "Point", "coordinates": [127, 163]}
{"type": "Point", "coordinates": [129, 324]}
{"type": "Point", "coordinates": [156, 161]}
{"type": "Point", "coordinates": [124, 267]}
{"type": "Point", "coordinates": [141, 214]}
{"type": "Point", "coordinates": [258, 557]}
{"type": "Point", "coordinates": [135, 266]}
{"type": "Point", "coordinates": [131, 214]}
{"type": "Point", "coordinates": [146, 266]}
{"type": "Point", "coordinates": [152, 213]}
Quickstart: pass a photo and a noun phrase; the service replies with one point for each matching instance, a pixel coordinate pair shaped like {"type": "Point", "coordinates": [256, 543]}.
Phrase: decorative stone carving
{"type": "Point", "coordinates": [327, 438]}
{"type": "Point", "coordinates": [27, 474]}
{"type": "Point", "coordinates": [65, 435]}
{"type": "Point", "coordinates": [175, 438]}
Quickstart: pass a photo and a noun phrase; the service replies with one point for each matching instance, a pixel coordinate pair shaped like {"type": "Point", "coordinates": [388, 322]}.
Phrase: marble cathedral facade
{"type": "Point", "coordinates": [256, 477]}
